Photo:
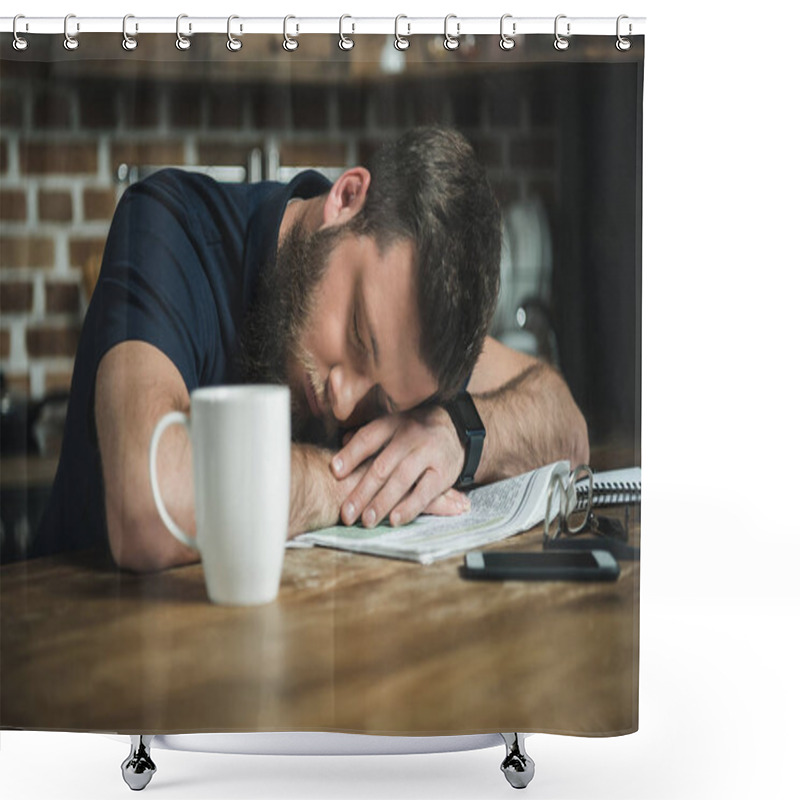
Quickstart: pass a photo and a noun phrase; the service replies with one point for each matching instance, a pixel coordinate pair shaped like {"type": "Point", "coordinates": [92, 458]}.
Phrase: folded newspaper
{"type": "Point", "coordinates": [496, 511]}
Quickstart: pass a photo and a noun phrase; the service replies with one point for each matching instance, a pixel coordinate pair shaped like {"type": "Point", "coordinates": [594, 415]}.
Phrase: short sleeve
{"type": "Point", "coordinates": [152, 287]}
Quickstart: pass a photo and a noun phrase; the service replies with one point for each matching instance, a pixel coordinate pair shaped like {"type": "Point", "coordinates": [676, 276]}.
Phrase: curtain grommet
{"type": "Point", "coordinates": [70, 42]}
{"type": "Point", "coordinates": [561, 42]}
{"type": "Point", "coordinates": [234, 44]}
{"type": "Point", "coordinates": [290, 43]}
{"type": "Point", "coordinates": [345, 42]}
{"type": "Point", "coordinates": [19, 42]}
{"type": "Point", "coordinates": [182, 42]}
{"type": "Point", "coordinates": [128, 42]}
{"type": "Point", "coordinates": [507, 42]}
{"type": "Point", "coordinates": [623, 44]}
{"type": "Point", "coordinates": [451, 42]}
{"type": "Point", "coordinates": [401, 43]}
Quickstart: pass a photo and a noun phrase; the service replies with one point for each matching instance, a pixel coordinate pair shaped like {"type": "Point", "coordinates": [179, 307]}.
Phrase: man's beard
{"type": "Point", "coordinates": [281, 311]}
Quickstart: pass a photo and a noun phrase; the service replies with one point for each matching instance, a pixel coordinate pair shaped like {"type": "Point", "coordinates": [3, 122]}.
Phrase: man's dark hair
{"type": "Point", "coordinates": [428, 187]}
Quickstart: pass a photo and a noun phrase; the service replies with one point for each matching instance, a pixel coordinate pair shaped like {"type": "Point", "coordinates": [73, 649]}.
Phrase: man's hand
{"type": "Point", "coordinates": [317, 494]}
{"type": "Point", "coordinates": [416, 458]}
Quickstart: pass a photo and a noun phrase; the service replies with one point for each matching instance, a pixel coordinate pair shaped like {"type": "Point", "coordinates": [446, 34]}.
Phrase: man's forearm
{"type": "Point", "coordinates": [530, 421]}
{"type": "Point", "coordinates": [316, 494]}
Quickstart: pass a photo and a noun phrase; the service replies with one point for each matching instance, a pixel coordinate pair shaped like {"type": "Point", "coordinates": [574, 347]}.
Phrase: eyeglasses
{"type": "Point", "coordinates": [570, 521]}
{"type": "Point", "coordinates": [576, 498]}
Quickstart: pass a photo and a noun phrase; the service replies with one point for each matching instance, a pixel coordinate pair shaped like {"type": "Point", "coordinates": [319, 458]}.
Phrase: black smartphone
{"type": "Point", "coordinates": [548, 565]}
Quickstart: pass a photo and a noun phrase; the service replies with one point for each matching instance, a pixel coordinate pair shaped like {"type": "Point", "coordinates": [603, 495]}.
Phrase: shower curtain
{"type": "Point", "coordinates": [354, 642]}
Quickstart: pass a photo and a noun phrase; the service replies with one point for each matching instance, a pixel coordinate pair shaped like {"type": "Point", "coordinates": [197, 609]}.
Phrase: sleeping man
{"type": "Point", "coordinates": [370, 297]}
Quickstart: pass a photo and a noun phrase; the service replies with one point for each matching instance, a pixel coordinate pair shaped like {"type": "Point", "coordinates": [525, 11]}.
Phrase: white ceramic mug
{"type": "Point", "coordinates": [241, 460]}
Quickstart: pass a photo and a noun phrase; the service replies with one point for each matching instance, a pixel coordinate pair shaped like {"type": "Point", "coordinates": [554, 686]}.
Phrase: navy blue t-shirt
{"type": "Point", "coordinates": [179, 271]}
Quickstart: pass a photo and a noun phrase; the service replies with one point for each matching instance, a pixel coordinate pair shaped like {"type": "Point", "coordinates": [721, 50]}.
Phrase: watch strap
{"type": "Point", "coordinates": [471, 434]}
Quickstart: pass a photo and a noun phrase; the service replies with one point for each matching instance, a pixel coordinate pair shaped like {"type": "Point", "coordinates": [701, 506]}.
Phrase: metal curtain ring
{"type": "Point", "coordinates": [19, 43]}
{"type": "Point", "coordinates": [401, 42]}
{"type": "Point", "coordinates": [506, 42]}
{"type": "Point", "coordinates": [451, 42]}
{"type": "Point", "coordinates": [128, 42]}
{"type": "Point", "coordinates": [561, 43]}
{"type": "Point", "coordinates": [182, 43]}
{"type": "Point", "coordinates": [234, 44]}
{"type": "Point", "coordinates": [623, 44]}
{"type": "Point", "coordinates": [290, 43]}
{"type": "Point", "coordinates": [345, 43]}
{"type": "Point", "coordinates": [70, 42]}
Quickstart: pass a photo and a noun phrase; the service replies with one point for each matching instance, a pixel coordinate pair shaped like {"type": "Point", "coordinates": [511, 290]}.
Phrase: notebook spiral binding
{"type": "Point", "coordinates": [614, 493]}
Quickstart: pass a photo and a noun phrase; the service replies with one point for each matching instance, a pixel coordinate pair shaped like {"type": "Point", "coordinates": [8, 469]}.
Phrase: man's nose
{"type": "Point", "coordinates": [347, 389]}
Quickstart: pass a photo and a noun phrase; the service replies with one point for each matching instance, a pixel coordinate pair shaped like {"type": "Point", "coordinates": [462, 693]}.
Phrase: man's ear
{"type": "Point", "coordinates": [346, 197]}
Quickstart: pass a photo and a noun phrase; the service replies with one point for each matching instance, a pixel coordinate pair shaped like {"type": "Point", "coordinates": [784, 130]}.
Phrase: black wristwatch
{"type": "Point", "coordinates": [471, 432]}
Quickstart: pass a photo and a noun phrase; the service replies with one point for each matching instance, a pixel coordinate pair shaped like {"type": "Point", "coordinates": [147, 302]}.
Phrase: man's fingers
{"type": "Point", "coordinates": [418, 487]}
{"type": "Point", "coordinates": [409, 470]}
{"type": "Point", "coordinates": [428, 497]}
{"type": "Point", "coordinates": [391, 466]}
{"type": "Point", "coordinates": [450, 504]}
{"type": "Point", "coordinates": [362, 444]}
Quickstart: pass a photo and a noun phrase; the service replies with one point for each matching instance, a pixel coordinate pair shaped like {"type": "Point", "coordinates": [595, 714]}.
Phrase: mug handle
{"type": "Point", "coordinates": [173, 418]}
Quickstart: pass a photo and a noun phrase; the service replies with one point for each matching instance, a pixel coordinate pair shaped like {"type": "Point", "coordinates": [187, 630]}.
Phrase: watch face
{"type": "Point", "coordinates": [469, 414]}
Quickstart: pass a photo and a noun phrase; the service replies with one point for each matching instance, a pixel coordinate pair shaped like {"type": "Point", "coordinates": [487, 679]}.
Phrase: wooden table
{"type": "Point", "coordinates": [353, 643]}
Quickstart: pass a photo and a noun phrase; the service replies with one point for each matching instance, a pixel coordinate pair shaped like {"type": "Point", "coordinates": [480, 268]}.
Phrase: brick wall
{"type": "Point", "coordinates": [62, 140]}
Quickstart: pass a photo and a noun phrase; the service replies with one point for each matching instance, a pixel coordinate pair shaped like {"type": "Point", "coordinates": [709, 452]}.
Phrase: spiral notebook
{"type": "Point", "coordinates": [613, 487]}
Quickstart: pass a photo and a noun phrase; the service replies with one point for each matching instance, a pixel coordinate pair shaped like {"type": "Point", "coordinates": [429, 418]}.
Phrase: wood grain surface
{"type": "Point", "coordinates": [353, 643]}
